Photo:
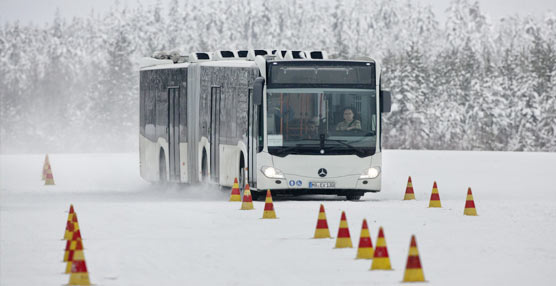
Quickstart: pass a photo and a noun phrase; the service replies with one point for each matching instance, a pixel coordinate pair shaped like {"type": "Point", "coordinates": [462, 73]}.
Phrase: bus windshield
{"type": "Point", "coordinates": [321, 121]}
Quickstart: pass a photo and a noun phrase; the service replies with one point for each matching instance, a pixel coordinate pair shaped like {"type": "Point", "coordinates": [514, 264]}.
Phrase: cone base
{"type": "Point", "coordinates": [408, 197]}
{"type": "Point", "coordinates": [365, 253]}
{"type": "Point", "coordinates": [343, 243]}
{"type": "Point", "coordinates": [247, 206]}
{"type": "Point", "coordinates": [435, 204]}
{"type": "Point", "coordinates": [49, 183]}
{"type": "Point", "coordinates": [471, 212]}
{"type": "Point", "coordinates": [79, 279]}
{"type": "Point", "coordinates": [381, 263]}
{"type": "Point", "coordinates": [322, 233]}
{"type": "Point", "coordinates": [269, 214]}
{"type": "Point", "coordinates": [414, 275]}
{"type": "Point", "coordinates": [235, 198]}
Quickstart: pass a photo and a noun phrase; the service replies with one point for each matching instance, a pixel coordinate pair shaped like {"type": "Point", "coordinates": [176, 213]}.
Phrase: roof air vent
{"type": "Point", "coordinates": [316, 55]}
{"type": "Point", "coordinates": [199, 57]}
{"type": "Point", "coordinates": [242, 53]}
{"type": "Point", "coordinates": [224, 56]}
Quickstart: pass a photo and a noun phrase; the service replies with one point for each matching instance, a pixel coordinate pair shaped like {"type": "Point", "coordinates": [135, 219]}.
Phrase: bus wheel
{"type": "Point", "coordinates": [255, 195]}
{"type": "Point", "coordinates": [162, 168]}
{"type": "Point", "coordinates": [354, 197]}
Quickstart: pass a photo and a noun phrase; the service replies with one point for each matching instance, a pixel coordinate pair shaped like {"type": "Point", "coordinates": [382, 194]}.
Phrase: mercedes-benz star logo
{"type": "Point", "coordinates": [322, 172]}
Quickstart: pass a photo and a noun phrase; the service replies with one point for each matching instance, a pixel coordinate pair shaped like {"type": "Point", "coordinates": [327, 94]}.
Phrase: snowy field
{"type": "Point", "coordinates": [139, 234]}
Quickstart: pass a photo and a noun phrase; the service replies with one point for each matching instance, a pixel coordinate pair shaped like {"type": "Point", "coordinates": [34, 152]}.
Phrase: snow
{"type": "Point", "coordinates": [136, 233]}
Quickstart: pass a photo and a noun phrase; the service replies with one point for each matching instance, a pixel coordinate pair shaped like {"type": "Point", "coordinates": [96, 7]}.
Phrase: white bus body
{"type": "Point", "coordinates": [275, 124]}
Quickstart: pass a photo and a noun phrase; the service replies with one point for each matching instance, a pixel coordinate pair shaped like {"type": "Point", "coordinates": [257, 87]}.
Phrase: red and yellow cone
{"type": "Point", "coordinates": [322, 226]}
{"type": "Point", "coordinates": [247, 203]}
{"type": "Point", "coordinates": [413, 269]}
{"type": "Point", "coordinates": [344, 239]}
{"type": "Point", "coordinates": [69, 224]}
{"type": "Point", "coordinates": [236, 195]}
{"type": "Point", "coordinates": [71, 246]}
{"type": "Point", "coordinates": [268, 206]}
{"type": "Point", "coordinates": [74, 252]}
{"type": "Point", "coordinates": [45, 166]}
{"type": "Point", "coordinates": [49, 178]}
{"type": "Point", "coordinates": [470, 204]}
{"type": "Point", "coordinates": [381, 260]}
{"type": "Point", "coordinates": [365, 249]}
{"type": "Point", "coordinates": [435, 198]}
{"type": "Point", "coordinates": [75, 232]}
{"type": "Point", "coordinates": [78, 273]}
{"type": "Point", "coordinates": [70, 228]}
{"type": "Point", "coordinates": [409, 194]}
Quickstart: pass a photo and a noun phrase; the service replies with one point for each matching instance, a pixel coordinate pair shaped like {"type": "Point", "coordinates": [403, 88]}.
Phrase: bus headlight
{"type": "Point", "coordinates": [272, 173]}
{"type": "Point", "coordinates": [370, 173]}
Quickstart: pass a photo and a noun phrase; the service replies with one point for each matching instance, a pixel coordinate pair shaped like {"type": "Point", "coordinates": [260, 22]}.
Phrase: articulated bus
{"type": "Point", "coordinates": [292, 122]}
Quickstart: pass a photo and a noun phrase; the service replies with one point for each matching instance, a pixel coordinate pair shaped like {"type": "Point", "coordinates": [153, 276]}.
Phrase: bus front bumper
{"type": "Point", "coordinates": [297, 185]}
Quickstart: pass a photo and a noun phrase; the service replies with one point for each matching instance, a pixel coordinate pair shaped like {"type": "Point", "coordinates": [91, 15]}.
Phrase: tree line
{"type": "Point", "coordinates": [469, 83]}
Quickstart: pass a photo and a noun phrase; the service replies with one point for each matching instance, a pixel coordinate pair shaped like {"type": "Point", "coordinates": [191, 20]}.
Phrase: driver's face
{"type": "Point", "coordinates": [348, 115]}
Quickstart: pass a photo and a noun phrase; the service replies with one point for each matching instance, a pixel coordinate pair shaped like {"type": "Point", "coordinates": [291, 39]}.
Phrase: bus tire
{"type": "Point", "coordinates": [353, 197]}
{"type": "Point", "coordinates": [256, 195]}
{"type": "Point", "coordinates": [162, 174]}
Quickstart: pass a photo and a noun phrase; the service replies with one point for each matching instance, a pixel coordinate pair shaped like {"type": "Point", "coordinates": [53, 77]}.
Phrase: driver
{"type": "Point", "coordinates": [349, 123]}
{"type": "Point", "coordinates": [313, 128]}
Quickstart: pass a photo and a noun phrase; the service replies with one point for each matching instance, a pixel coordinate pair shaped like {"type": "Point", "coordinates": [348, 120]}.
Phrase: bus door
{"type": "Point", "coordinates": [174, 133]}
{"type": "Point", "coordinates": [252, 142]}
{"type": "Point", "coordinates": [214, 131]}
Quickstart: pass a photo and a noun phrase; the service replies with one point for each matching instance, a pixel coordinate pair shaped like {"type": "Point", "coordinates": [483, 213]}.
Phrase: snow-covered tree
{"type": "Point", "coordinates": [463, 84]}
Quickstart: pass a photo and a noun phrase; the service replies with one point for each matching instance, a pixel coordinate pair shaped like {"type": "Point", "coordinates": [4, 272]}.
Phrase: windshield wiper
{"type": "Point", "coordinates": [323, 140]}
{"type": "Point", "coordinates": [288, 149]}
{"type": "Point", "coordinates": [343, 142]}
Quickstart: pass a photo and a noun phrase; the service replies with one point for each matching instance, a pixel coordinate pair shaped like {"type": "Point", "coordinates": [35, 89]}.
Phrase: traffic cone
{"type": "Point", "coordinates": [73, 229]}
{"type": "Point", "coordinates": [69, 224]}
{"type": "Point", "coordinates": [322, 226]}
{"type": "Point", "coordinates": [409, 194]}
{"type": "Point", "coordinates": [343, 240]}
{"type": "Point", "coordinates": [49, 179]}
{"type": "Point", "coordinates": [435, 198]}
{"type": "Point", "coordinates": [78, 272]}
{"type": "Point", "coordinates": [70, 228]}
{"type": "Point", "coordinates": [74, 252]}
{"type": "Point", "coordinates": [413, 269]}
{"type": "Point", "coordinates": [45, 166]}
{"type": "Point", "coordinates": [365, 249]}
{"type": "Point", "coordinates": [76, 234]}
{"type": "Point", "coordinates": [77, 231]}
{"type": "Point", "coordinates": [247, 203]}
{"type": "Point", "coordinates": [381, 260]}
{"type": "Point", "coordinates": [268, 206]}
{"type": "Point", "coordinates": [470, 204]}
{"type": "Point", "coordinates": [236, 195]}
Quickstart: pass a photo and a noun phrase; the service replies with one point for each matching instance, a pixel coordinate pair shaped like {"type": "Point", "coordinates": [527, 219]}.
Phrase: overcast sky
{"type": "Point", "coordinates": [41, 11]}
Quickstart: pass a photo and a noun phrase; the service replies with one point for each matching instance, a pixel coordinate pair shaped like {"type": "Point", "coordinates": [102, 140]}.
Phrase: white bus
{"type": "Point", "coordinates": [293, 122]}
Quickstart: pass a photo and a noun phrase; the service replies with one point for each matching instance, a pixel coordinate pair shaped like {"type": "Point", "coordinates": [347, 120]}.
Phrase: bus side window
{"type": "Point", "coordinates": [260, 126]}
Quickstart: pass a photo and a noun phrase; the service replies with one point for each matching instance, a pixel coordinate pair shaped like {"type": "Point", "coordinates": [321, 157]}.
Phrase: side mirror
{"type": "Point", "coordinates": [385, 101]}
{"type": "Point", "coordinates": [258, 88]}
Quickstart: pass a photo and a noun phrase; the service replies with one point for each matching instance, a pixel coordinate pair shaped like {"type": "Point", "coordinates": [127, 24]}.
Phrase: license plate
{"type": "Point", "coordinates": [322, 185]}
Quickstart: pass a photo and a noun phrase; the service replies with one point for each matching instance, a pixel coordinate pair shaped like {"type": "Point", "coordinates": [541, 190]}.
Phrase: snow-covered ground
{"type": "Point", "coordinates": [139, 234]}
